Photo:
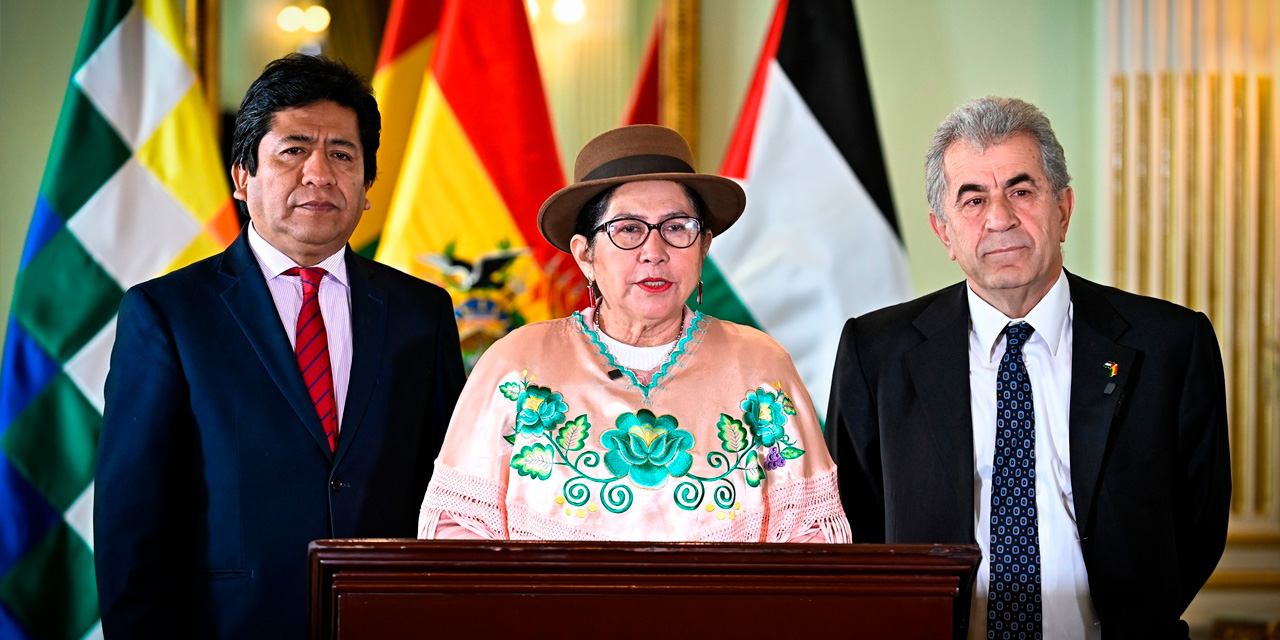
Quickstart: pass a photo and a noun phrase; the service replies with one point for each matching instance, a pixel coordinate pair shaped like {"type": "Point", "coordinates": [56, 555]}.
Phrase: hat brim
{"type": "Point", "coordinates": [724, 198]}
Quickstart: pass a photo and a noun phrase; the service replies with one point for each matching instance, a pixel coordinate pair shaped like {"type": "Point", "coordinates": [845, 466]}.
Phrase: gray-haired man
{"type": "Point", "coordinates": [1076, 432]}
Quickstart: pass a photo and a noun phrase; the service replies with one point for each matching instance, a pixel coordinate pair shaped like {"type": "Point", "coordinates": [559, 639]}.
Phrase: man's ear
{"type": "Point", "coordinates": [240, 179]}
{"type": "Point", "coordinates": [940, 230]}
{"type": "Point", "coordinates": [1066, 205]}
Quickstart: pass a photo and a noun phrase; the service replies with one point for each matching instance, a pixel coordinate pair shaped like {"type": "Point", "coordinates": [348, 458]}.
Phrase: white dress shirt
{"type": "Point", "coordinates": [1067, 609]}
{"type": "Point", "coordinates": [335, 306]}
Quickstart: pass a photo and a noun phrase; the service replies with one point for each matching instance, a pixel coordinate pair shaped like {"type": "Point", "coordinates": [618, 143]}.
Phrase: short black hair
{"type": "Point", "coordinates": [299, 80]}
{"type": "Point", "coordinates": [592, 212]}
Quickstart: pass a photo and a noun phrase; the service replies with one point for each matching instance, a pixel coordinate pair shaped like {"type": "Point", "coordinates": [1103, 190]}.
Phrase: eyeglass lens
{"type": "Point", "coordinates": [629, 233]}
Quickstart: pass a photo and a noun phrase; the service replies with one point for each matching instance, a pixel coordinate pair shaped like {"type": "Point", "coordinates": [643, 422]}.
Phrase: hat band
{"type": "Point", "coordinates": [638, 165]}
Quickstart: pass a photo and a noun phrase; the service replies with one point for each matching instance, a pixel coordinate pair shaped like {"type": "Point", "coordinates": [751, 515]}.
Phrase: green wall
{"type": "Point", "coordinates": [925, 57]}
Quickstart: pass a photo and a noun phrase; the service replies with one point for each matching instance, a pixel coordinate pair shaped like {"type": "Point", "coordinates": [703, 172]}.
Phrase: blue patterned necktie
{"type": "Point", "coordinates": [1013, 601]}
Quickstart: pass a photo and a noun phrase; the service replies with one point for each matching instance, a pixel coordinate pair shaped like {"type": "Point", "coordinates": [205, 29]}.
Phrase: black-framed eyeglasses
{"type": "Point", "coordinates": [630, 233]}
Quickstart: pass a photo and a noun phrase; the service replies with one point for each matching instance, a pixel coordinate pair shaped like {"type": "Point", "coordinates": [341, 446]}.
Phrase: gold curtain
{"type": "Point", "coordinates": [1193, 193]}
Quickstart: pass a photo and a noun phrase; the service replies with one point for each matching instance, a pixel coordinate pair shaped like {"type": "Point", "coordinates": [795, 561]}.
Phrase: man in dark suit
{"type": "Point", "coordinates": [283, 391]}
{"type": "Point", "coordinates": [1076, 432]}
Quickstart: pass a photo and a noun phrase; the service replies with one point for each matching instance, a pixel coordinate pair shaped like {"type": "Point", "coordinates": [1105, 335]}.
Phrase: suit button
{"type": "Point", "coordinates": [336, 484]}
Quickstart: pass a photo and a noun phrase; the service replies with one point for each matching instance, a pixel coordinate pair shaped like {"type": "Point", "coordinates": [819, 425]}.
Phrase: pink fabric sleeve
{"type": "Point", "coordinates": [458, 506]}
{"type": "Point", "coordinates": [466, 498]}
{"type": "Point", "coordinates": [449, 529]}
{"type": "Point", "coordinates": [807, 509]}
{"type": "Point", "coordinates": [805, 505]}
{"type": "Point", "coordinates": [812, 536]}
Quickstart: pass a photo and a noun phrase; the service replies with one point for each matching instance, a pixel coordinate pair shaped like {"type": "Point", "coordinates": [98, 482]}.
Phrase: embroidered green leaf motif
{"type": "Point", "coordinates": [510, 438]}
{"type": "Point", "coordinates": [733, 437]}
{"type": "Point", "coordinates": [534, 461]}
{"type": "Point", "coordinates": [788, 407]}
{"type": "Point", "coordinates": [751, 469]}
{"type": "Point", "coordinates": [573, 435]}
{"type": "Point", "coordinates": [791, 453]}
{"type": "Point", "coordinates": [510, 390]}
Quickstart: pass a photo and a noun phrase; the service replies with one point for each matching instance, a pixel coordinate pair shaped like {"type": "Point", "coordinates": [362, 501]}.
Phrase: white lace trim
{"type": "Point", "coordinates": [803, 505]}
{"type": "Point", "coordinates": [476, 501]}
{"type": "Point", "coordinates": [794, 510]}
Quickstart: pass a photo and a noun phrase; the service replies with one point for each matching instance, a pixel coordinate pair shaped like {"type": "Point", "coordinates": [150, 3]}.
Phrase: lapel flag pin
{"type": "Point", "coordinates": [1112, 368]}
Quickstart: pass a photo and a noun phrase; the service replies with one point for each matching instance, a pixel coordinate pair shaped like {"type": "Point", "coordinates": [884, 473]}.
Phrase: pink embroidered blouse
{"type": "Point", "coordinates": [551, 439]}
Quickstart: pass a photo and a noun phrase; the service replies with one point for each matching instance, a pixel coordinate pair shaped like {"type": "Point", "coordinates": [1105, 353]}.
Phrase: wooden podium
{"type": "Point", "coordinates": [365, 589]}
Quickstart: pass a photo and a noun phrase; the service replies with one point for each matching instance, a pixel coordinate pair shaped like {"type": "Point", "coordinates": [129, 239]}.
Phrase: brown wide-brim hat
{"type": "Point", "coordinates": [630, 154]}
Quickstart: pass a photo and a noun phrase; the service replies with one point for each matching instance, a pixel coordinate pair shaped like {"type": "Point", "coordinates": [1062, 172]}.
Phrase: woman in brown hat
{"type": "Point", "coordinates": [637, 418]}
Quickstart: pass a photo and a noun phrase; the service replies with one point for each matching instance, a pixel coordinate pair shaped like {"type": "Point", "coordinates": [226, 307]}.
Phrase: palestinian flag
{"type": "Point", "coordinates": [133, 188]}
{"type": "Point", "coordinates": [819, 241]}
{"type": "Point", "coordinates": [407, 45]}
{"type": "Point", "coordinates": [481, 159]}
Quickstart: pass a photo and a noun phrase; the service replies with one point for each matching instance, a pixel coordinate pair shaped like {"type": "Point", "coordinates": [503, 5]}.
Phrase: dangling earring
{"type": "Point", "coordinates": [591, 294]}
{"type": "Point", "coordinates": [699, 293]}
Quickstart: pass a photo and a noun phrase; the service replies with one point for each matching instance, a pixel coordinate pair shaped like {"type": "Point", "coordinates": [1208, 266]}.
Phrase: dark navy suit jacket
{"type": "Point", "coordinates": [213, 470]}
{"type": "Point", "coordinates": [1150, 473]}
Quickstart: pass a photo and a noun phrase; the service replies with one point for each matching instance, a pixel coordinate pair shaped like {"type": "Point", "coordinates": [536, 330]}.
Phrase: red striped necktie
{"type": "Point", "coordinates": [311, 344]}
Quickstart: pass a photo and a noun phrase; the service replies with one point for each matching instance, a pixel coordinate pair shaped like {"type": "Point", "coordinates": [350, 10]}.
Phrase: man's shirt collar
{"type": "Point", "coordinates": [274, 262]}
{"type": "Point", "coordinates": [1048, 317]}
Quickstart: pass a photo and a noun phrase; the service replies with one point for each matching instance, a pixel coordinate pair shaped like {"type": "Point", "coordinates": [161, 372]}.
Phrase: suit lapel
{"type": "Point", "coordinates": [1096, 394]}
{"type": "Point", "coordinates": [939, 368]}
{"type": "Point", "coordinates": [251, 304]}
{"type": "Point", "coordinates": [368, 334]}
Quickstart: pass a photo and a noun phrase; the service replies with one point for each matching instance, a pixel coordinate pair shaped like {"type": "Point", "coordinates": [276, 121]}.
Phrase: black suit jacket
{"type": "Point", "coordinates": [1150, 473]}
{"type": "Point", "coordinates": [214, 472]}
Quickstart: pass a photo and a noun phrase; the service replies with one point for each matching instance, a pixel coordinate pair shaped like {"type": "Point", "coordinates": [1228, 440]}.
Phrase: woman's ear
{"type": "Point", "coordinates": [582, 254]}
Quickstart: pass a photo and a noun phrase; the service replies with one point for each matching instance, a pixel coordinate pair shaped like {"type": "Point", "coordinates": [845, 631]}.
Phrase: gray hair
{"type": "Point", "coordinates": [987, 122]}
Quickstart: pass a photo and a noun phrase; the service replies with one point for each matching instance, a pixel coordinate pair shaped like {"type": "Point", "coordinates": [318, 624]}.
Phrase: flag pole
{"type": "Point", "coordinates": [204, 40]}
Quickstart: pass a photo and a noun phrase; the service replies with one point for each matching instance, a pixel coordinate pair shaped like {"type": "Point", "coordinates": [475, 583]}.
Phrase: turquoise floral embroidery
{"type": "Point", "coordinates": [644, 449]}
{"type": "Point", "coordinates": [765, 417]}
{"type": "Point", "coordinates": [647, 448]}
{"type": "Point", "coordinates": [763, 411]}
{"type": "Point", "coordinates": [540, 410]}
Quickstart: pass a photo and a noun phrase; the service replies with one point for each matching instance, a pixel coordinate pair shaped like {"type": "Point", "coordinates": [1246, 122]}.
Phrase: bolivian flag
{"type": "Point", "coordinates": [480, 160]}
{"type": "Point", "coordinates": [407, 45]}
{"type": "Point", "coordinates": [819, 241]}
